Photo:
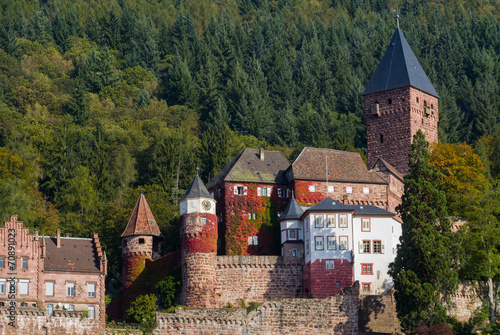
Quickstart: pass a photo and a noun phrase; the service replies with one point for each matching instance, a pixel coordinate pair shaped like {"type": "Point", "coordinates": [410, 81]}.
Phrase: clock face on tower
{"type": "Point", "coordinates": [206, 205]}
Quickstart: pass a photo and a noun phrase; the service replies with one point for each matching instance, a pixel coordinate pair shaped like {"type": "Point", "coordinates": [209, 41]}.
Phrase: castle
{"type": "Point", "coordinates": [264, 228]}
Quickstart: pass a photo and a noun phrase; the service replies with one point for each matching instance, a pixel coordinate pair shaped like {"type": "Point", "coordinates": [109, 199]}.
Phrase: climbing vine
{"type": "Point", "coordinates": [249, 215]}
{"type": "Point", "coordinates": [304, 196]}
{"type": "Point", "coordinates": [204, 240]}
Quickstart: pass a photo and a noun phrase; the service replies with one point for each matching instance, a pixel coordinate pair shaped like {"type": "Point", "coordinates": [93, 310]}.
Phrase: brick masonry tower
{"type": "Point", "coordinates": [198, 225]}
{"type": "Point", "coordinates": [140, 240]}
{"type": "Point", "coordinates": [399, 100]}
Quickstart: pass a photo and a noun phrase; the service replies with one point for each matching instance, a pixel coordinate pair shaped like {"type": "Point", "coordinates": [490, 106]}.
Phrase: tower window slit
{"type": "Point", "coordinates": [381, 138]}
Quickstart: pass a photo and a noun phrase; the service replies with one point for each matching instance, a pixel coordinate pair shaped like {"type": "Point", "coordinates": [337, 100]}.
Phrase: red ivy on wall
{"type": "Point", "coordinates": [239, 226]}
{"type": "Point", "coordinates": [305, 197]}
{"type": "Point", "coordinates": [203, 241]}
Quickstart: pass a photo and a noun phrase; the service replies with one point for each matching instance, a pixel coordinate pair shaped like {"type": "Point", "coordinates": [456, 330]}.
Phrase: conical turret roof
{"type": "Point", "coordinates": [196, 190]}
{"type": "Point", "coordinates": [142, 221]}
{"type": "Point", "coordinates": [399, 68]}
{"type": "Point", "coordinates": [292, 211]}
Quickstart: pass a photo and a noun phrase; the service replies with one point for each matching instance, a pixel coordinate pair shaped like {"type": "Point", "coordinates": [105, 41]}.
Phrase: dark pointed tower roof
{"type": "Point", "coordinates": [399, 68]}
{"type": "Point", "coordinates": [196, 190]}
{"type": "Point", "coordinates": [142, 221]}
{"type": "Point", "coordinates": [292, 211]}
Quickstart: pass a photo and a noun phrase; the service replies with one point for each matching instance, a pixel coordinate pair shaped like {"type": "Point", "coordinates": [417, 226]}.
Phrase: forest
{"type": "Point", "coordinates": [100, 99]}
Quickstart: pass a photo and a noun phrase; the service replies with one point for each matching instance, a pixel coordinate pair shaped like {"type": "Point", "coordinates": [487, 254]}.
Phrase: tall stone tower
{"type": "Point", "coordinates": [399, 100]}
{"type": "Point", "coordinates": [198, 223]}
{"type": "Point", "coordinates": [140, 240]}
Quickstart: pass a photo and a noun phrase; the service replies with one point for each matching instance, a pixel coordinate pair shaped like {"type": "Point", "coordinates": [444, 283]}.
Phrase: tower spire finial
{"type": "Point", "coordinates": [197, 170]}
{"type": "Point", "coordinates": [142, 190]}
{"type": "Point", "coordinates": [397, 16]}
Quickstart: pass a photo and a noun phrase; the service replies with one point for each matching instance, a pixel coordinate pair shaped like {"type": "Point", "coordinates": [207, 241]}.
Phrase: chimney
{"type": "Point", "coordinates": [67, 234]}
{"type": "Point", "coordinates": [261, 154]}
{"type": "Point", "coordinates": [35, 235]}
{"type": "Point", "coordinates": [58, 238]}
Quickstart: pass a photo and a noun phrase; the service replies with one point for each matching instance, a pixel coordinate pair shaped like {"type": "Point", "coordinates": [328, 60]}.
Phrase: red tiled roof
{"type": "Point", "coordinates": [74, 255]}
{"type": "Point", "coordinates": [381, 165]}
{"type": "Point", "coordinates": [342, 165]}
{"type": "Point", "coordinates": [142, 221]}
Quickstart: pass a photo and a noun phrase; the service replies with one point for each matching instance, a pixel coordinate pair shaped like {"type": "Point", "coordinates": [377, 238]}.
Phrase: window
{"type": "Point", "coordinates": [293, 234]}
{"type": "Point", "coordinates": [366, 247]}
{"type": "Point", "coordinates": [2, 286]}
{"type": "Point", "coordinates": [377, 247]}
{"type": "Point", "coordinates": [389, 101]}
{"type": "Point", "coordinates": [366, 269]}
{"type": "Point", "coordinates": [365, 287]}
{"type": "Point", "coordinates": [283, 192]}
{"type": "Point", "coordinates": [49, 289]}
{"type": "Point", "coordinates": [330, 264]}
{"type": "Point", "coordinates": [250, 240]}
{"type": "Point", "coordinates": [91, 290]}
{"type": "Point", "coordinates": [318, 222]}
{"type": "Point", "coordinates": [331, 189]}
{"type": "Point", "coordinates": [318, 242]}
{"type": "Point", "coordinates": [25, 262]}
{"type": "Point", "coordinates": [381, 138]}
{"type": "Point", "coordinates": [203, 221]}
{"type": "Point", "coordinates": [343, 242]}
{"type": "Point", "coordinates": [307, 247]}
{"type": "Point", "coordinates": [312, 188]}
{"type": "Point", "coordinates": [417, 99]}
{"type": "Point", "coordinates": [348, 190]}
{"type": "Point", "coordinates": [50, 309]}
{"type": "Point", "coordinates": [330, 221]}
{"type": "Point", "coordinates": [294, 252]}
{"type": "Point", "coordinates": [70, 287]}
{"type": "Point", "coordinates": [91, 312]}
{"type": "Point", "coordinates": [365, 225]}
{"type": "Point", "coordinates": [241, 190]}
{"type": "Point", "coordinates": [141, 241]}
{"type": "Point", "coordinates": [366, 190]}
{"type": "Point", "coordinates": [71, 307]}
{"type": "Point", "coordinates": [255, 241]}
{"type": "Point", "coordinates": [23, 286]}
{"type": "Point", "coordinates": [332, 244]}
{"type": "Point", "coordinates": [343, 221]}
{"type": "Point", "coordinates": [2, 262]}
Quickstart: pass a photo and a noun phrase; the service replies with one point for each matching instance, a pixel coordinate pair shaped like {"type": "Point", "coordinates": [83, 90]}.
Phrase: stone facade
{"type": "Point", "coordinates": [257, 278]}
{"type": "Point", "coordinates": [358, 194]}
{"type": "Point", "coordinates": [390, 132]}
{"type": "Point", "coordinates": [334, 315]}
{"type": "Point", "coordinates": [44, 276]}
{"type": "Point", "coordinates": [321, 283]}
{"type": "Point", "coordinates": [36, 321]}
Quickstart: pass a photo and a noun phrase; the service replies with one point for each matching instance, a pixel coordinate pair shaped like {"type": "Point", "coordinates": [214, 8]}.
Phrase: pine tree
{"type": "Point", "coordinates": [425, 267]}
{"type": "Point", "coordinates": [78, 105]}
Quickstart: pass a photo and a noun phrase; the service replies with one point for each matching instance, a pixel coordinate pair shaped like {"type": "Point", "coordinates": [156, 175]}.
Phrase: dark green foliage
{"type": "Point", "coordinates": [168, 289]}
{"type": "Point", "coordinates": [425, 267]}
{"type": "Point", "coordinates": [104, 98]}
{"type": "Point", "coordinates": [142, 309]}
{"type": "Point", "coordinates": [78, 105]}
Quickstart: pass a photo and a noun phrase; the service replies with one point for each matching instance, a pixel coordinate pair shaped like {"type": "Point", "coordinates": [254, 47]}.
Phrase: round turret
{"type": "Point", "coordinates": [198, 225]}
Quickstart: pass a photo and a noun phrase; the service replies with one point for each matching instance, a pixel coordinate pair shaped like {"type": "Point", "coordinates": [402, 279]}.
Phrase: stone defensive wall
{"type": "Point", "coordinates": [333, 315]}
{"type": "Point", "coordinates": [35, 321]}
{"type": "Point", "coordinates": [244, 279]}
{"type": "Point", "coordinates": [377, 313]}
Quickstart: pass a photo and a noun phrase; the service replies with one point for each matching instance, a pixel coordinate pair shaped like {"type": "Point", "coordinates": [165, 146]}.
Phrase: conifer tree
{"type": "Point", "coordinates": [425, 267]}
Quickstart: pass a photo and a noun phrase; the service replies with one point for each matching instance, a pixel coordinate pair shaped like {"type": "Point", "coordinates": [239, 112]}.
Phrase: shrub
{"type": "Point", "coordinates": [142, 309]}
{"type": "Point", "coordinates": [167, 289]}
